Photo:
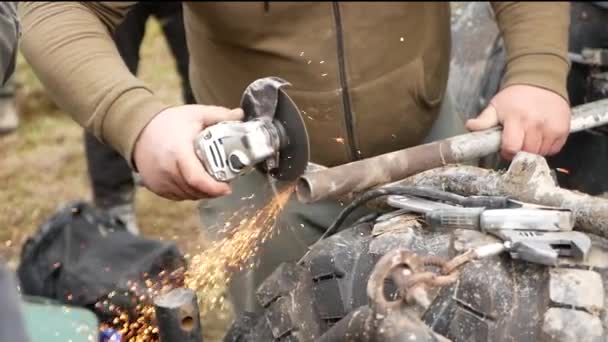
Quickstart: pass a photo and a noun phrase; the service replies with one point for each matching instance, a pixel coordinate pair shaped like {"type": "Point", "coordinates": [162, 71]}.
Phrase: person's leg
{"type": "Point", "coordinates": [9, 118]}
{"type": "Point", "coordinates": [110, 175]}
{"type": "Point", "coordinates": [111, 181]}
{"type": "Point", "coordinates": [130, 34]}
{"type": "Point", "coordinates": [171, 18]}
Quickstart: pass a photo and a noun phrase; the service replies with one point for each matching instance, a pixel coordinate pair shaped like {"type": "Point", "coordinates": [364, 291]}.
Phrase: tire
{"type": "Point", "coordinates": [495, 299]}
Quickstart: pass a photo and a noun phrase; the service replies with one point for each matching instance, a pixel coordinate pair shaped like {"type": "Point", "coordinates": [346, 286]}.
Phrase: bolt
{"type": "Point", "coordinates": [221, 175]}
{"type": "Point", "coordinates": [207, 136]}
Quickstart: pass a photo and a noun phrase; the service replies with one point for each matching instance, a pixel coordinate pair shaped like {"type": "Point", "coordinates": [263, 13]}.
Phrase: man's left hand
{"type": "Point", "coordinates": [534, 120]}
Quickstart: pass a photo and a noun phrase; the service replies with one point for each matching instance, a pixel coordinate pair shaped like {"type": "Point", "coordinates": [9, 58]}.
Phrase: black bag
{"type": "Point", "coordinates": [81, 256]}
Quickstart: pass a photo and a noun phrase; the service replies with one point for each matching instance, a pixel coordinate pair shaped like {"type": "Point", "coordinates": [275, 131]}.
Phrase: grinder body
{"type": "Point", "coordinates": [272, 138]}
{"type": "Point", "coordinates": [232, 148]}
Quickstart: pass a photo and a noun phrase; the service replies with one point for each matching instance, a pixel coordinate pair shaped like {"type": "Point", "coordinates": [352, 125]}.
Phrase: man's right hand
{"type": "Point", "coordinates": [164, 152]}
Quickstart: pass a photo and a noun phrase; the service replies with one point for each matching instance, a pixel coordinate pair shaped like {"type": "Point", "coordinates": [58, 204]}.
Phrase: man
{"type": "Point", "coordinates": [369, 78]}
{"type": "Point", "coordinates": [111, 177]}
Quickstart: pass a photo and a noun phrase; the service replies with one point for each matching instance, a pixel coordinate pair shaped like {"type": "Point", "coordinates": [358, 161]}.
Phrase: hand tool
{"type": "Point", "coordinates": [544, 248]}
{"type": "Point", "coordinates": [272, 136]}
{"type": "Point", "coordinates": [484, 213]}
{"type": "Point", "coordinates": [495, 219]}
{"type": "Point", "coordinates": [531, 233]}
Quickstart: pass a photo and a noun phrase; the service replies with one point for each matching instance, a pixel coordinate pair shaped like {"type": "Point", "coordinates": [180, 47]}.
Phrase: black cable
{"type": "Point", "coordinates": [425, 192]}
{"type": "Point", "coordinates": [385, 191]}
{"type": "Point", "coordinates": [367, 218]}
{"type": "Point", "coordinates": [437, 195]}
{"type": "Point", "coordinates": [362, 199]}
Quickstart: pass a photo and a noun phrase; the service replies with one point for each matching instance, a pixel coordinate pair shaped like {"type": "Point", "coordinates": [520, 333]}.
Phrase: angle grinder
{"type": "Point", "coordinates": [272, 137]}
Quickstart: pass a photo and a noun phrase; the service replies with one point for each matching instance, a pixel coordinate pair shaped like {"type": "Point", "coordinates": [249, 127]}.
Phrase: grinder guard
{"type": "Point", "coordinates": [272, 138]}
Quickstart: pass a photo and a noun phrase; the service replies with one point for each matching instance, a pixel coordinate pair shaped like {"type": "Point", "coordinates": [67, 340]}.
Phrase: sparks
{"type": "Point", "coordinates": [339, 140]}
{"type": "Point", "coordinates": [212, 268]}
{"type": "Point", "coordinates": [207, 273]}
{"type": "Point", "coordinates": [139, 323]}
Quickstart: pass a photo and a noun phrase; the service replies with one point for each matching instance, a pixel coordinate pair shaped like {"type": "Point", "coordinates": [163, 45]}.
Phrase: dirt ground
{"type": "Point", "coordinates": [43, 168]}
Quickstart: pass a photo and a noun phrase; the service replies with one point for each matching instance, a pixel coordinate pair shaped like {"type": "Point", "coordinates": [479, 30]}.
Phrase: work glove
{"type": "Point", "coordinates": [534, 120]}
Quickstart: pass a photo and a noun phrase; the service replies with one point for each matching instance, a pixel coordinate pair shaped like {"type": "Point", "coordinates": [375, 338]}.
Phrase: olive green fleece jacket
{"type": "Point", "coordinates": [367, 76]}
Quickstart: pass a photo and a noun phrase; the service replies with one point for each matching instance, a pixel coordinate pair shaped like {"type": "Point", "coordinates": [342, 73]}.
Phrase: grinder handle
{"type": "Point", "coordinates": [454, 218]}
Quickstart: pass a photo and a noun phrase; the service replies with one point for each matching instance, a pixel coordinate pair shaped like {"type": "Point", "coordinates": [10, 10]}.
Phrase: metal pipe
{"type": "Point", "coordinates": [177, 316]}
{"type": "Point", "coordinates": [390, 167]}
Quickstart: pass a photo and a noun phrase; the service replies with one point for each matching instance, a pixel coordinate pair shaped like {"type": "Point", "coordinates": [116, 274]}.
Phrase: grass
{"type": "Point", "coordinates": [43, 168]}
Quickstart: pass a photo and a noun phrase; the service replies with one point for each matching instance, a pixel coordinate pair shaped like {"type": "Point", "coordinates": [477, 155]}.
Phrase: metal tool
{"type": "Point", "coordinates": [272, 137]}
{"type": "Point", "coordinates": [545, 248]}
{"type": "Point", "coordinates": [428, 198]}
{"type": "Point", "coordinates": [484, 213]}
{"type": "Point", "coordinates": [497, 219]}
{"type": "Point", "coordinates": [531, 233]}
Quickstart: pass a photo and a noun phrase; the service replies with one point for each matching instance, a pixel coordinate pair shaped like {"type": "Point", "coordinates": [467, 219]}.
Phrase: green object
{"type": "Point", "coordinates": [51, 321]}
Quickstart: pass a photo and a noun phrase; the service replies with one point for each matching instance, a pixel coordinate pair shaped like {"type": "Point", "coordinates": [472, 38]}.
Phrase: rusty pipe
{"type": "Point", "coordinates": [390, 167]}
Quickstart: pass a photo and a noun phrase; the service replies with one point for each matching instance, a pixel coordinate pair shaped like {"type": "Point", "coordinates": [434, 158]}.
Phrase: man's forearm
{"type": "Point", "coordinates": [536, 41]}
{"type": "Point", "coordinates": [70, 48]}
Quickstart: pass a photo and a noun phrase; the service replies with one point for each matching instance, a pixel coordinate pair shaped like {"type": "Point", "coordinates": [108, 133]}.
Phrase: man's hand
{"type": "Point", "coordinates": [534, 120]}
{"type": "Point", "coordinates": [164, 152]}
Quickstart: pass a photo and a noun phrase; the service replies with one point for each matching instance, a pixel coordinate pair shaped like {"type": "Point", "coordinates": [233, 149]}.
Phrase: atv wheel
{"type": "Point", "coordinates": [496, 299]}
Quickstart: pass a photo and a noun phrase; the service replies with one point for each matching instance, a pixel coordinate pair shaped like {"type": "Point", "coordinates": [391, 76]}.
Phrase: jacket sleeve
{"type": "Point", "coordinates": [69, 45]}
{"type": "Point", "coordinates": [536, 40]}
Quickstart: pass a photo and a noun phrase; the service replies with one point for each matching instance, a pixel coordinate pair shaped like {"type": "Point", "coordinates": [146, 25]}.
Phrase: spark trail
{"type": "Point", "coordinates": [210, 270]}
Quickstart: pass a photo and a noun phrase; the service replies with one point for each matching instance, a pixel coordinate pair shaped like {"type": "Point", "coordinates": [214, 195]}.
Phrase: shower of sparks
{"type": "Point", "coordinates": [210, 270]}
{"type": "Point", "coordinates": [207, 274]}
{"type": "Point", "coordinates": [138, 323]}
{"type": "Point", "coordinates": [339, 140]}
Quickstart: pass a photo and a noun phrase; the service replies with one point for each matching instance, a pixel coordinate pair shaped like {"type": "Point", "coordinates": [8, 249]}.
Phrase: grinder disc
{"type": "Point", "coordinates": [294, 157]}
{"type": "Point", "coordinates": [264, 97]}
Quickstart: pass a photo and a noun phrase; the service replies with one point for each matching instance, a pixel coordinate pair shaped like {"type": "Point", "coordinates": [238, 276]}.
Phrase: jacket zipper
{"type": "Point", "coordinates": [345, 95]}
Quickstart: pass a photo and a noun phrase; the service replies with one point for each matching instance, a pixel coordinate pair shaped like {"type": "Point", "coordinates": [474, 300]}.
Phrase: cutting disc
{"type": "Point", "coordinates": [264, 97]}
{"type": "Point", "coordinates": [294, 157]}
